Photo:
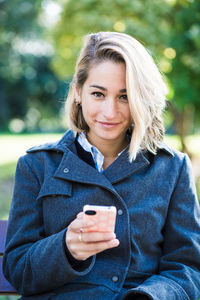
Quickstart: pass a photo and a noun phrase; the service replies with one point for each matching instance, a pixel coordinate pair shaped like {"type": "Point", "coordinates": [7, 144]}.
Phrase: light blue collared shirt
{"type": "Point", "coordinates": [96, 154]}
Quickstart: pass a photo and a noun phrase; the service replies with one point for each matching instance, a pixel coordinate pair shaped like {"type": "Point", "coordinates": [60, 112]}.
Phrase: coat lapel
{"type": "Point", "coordinates": [121, 167]}
{"type": "Point", "coordinates": [74, 169]}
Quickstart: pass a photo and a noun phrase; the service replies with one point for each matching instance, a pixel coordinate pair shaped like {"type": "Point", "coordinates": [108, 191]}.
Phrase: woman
{"type": "Point", "coordinates": [114, 155]}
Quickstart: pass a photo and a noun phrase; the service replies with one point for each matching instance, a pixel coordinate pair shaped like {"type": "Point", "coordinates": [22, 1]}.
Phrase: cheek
{"type": "Point", "coordinates": [88, 114]}
{"type": "Point", "coordinates": [89, 111]}
{"type": "Point", "coordinates": [127, 115]}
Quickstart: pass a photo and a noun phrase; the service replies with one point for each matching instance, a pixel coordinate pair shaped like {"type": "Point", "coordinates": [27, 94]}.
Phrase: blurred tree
{"type": "Point", "coordinates": [170, 29]}
{"type": "Point", "coordinates": [35, 49]}
{"type": "Point", "coordinates": [184, 72]}
{"type": "Point", "coordinates": [138, 18]}
{"type": "Point", "coordinates": [26, 78]}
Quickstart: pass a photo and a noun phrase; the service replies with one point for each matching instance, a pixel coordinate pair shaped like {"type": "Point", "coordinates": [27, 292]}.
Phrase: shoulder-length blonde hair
{"type": "Point", "coordinates": [146, 89]}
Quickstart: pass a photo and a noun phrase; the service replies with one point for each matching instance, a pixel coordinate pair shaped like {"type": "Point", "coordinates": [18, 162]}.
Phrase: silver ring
{"type": "Point", "coordinates": [80, 237]}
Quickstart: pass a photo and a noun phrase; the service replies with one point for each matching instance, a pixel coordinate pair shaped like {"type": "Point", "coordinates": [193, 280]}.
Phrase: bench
{"type": "Point", "coordinates": [5, 286]}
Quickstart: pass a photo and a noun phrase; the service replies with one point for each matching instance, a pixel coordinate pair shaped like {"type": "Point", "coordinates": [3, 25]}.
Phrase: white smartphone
{"type": "Point", "coordinates": [105, 217]}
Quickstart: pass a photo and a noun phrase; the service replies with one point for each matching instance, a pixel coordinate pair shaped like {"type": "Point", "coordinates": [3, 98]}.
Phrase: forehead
{"type": "Point", "coordinates": [107, 72]}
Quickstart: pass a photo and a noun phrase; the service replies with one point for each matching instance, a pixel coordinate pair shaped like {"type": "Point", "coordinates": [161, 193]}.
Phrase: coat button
{"type": "Point", "coordinates": [120, 212]}
{"type": "Point", "coordinates": [115, 278]}
{"type": "Point", "coordinates": [66, 170]}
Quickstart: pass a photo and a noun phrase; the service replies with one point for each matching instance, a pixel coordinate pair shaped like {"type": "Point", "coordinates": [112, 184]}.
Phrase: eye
{"type": "Point", "coordinates": [124, 98]}
{"type": "Point", "coordinates": [98, 94]}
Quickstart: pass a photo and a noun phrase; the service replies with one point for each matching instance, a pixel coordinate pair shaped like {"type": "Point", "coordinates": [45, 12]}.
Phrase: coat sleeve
{"type": "Point", "coordinates": [32, 262]}
{"type": "Point", "coordinates": [179, 271]}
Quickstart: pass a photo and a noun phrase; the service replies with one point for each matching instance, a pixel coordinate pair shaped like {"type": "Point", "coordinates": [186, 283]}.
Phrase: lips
{"type": "Point", "coordinates": [108, 124]}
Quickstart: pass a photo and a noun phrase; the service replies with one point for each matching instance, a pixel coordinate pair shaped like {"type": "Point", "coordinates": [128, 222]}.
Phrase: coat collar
{"type": "Point", "coordinates": [68, 139]}
{"type": "Point", "coordinates": [166, 148]}
{"type": "Point", "coordinates": [58, 146]}
{"type": "Point", "coordinates": [74, 169]}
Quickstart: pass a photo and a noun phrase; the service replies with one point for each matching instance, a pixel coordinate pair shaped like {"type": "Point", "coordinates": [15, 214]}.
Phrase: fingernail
{"type": "Point", "coordinates": [114, 243]}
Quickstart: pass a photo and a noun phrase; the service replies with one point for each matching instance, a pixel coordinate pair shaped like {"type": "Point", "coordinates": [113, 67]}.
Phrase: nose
{"type": "Point", "coordinates": [109, 109]}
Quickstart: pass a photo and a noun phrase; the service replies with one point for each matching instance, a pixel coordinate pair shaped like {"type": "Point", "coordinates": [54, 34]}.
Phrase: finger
{"type": "Point", "coordinates": [108, 245]}
{"type": "Point", "coordinates": [80, 215]}
{"type": "Point", "coordinates": [89, 237]}
{"type": "Point", "coordinates": [83, 251]}
{"type": "Point", "coordinates": [97, 247]}
{"type": "Point", "coordinates": [79, 223]}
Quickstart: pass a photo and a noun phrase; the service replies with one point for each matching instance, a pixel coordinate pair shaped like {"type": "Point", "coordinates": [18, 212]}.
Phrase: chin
{"type": "Point", "coordinates": [108, 136]}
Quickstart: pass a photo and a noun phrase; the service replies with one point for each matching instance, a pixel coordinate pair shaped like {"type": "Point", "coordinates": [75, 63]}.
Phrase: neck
{"type": "Point", "coordinates": [109, 148]}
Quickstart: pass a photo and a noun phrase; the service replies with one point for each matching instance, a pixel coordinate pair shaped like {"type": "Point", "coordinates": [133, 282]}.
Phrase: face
{"type": "Point", "coordinates": [104, 103]}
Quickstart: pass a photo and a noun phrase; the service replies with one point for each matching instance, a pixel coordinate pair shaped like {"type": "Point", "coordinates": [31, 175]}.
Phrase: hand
{"type": "Point", "coordinates": [83, 244]}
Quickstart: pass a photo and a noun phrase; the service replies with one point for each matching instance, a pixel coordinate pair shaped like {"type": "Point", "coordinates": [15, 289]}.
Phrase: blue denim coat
{"type": "Point", "coordinates": [158, 225]}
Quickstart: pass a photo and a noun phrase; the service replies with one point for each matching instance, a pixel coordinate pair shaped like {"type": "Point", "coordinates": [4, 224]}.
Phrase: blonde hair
{"type": "Point", "coordinates": [146, 89]}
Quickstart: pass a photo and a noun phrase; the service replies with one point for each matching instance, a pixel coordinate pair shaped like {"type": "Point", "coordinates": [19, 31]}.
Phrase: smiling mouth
{"type": "Point", "coordinates": [108, 124]}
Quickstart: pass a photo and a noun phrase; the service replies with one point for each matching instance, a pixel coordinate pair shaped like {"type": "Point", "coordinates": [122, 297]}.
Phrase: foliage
{"type": "Point", "coordinates": [171, 31]}
{"type": "Point", "coordinates": [38, 58]}
{"type": "Point", "coordinates": [26, 78]}
{"type": "Point", "coordinates": [137, 18]}
{"type": "Point", "coordinates": [185, 67]}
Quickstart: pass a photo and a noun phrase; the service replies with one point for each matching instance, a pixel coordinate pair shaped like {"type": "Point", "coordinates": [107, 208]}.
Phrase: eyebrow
{"type": "Point", "coordinates": [104, 89]}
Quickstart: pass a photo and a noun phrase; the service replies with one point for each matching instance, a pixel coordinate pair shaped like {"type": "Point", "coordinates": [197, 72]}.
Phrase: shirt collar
{"type": "Point", "coordinates": [96, 154]}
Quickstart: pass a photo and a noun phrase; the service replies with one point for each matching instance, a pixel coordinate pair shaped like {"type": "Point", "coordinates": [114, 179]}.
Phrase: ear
{"type": "Point", "coordinates": [78, 95]}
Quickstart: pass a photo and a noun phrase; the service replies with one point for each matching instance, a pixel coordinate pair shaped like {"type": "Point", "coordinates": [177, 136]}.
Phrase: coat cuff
{"type": "Point", "coordinates": [135, 296]}
{"type": "Point", "coordinates": [78, 265]}
{"type": "Point", "coordinates": [159, 287]}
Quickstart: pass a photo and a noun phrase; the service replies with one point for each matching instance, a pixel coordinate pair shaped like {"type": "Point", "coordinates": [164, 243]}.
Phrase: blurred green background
{"type": "Point", "coordinates": [39, 44]}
